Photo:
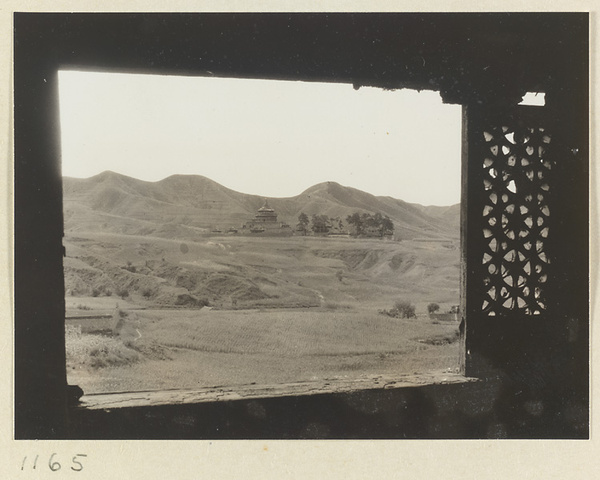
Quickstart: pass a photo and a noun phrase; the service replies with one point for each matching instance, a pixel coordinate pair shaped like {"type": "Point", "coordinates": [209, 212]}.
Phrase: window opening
{"type": "Point", "coordinates": [266, 232]}
{"type": "Point", "coordinates": [534, 99]}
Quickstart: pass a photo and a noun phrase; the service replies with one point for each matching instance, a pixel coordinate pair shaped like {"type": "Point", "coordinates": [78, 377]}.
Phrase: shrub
{"type": "Point", "coordinates": [335, 306]}
{"type": "Point", "coordinates": [404, 309]}
{"type": "Point", "coordinates": [129, 267]}
{"type": "Point", "coordinates": [123, 293]}
{"type": "Point", "coordinates": [96, 351]}
{"type": "Point", "coordinates": [147, 293]}
{"type": "Point", "coordinates": [204, 302]}
{"type": "Point", "coordinates": [432, 308]}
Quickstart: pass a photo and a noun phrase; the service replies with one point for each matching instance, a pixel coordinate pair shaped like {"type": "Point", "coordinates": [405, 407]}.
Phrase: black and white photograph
{"type": "Point", "coordinates": [301, 226]}
{"type": "Point", "coordinates": [312, 274]}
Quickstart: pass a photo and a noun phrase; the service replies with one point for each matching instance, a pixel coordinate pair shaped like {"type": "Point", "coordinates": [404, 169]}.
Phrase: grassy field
{"type": "Point", "coordinates": [281, 309]}
{"type": "Point", "coordinates": [158, 349]}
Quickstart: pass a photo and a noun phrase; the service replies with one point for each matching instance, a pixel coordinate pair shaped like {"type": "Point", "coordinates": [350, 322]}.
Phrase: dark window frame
{"type": "Point", "coordinates": [46, 43]}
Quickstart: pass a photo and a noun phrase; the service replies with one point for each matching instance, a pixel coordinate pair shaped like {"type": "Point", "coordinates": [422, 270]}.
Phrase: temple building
{"type": "Point", "coordinates": [265, 215]}
{"type": "Point", "coordinates": [265, 222]}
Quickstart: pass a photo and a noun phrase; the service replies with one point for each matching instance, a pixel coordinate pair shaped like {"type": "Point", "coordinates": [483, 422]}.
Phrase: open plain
{"type": "Point", "coordinates": [229, 310]}
{"type": "Point", "coordinates": [159, 295]}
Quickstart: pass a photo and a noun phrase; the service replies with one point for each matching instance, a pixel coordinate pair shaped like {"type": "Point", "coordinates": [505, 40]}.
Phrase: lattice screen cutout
{"type": "Point", "coordinates": [515, 227]}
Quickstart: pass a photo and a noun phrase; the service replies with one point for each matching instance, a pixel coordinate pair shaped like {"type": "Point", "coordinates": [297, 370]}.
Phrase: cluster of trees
{"type": "Point", "coordinates": [401, 309]}
{"type": "Point", "coordinates": [360, 224]}
{"type": "Point", "coordinates": [318, 223]}
{"type": "Point", "coordinates": [434, 307]}
{"type": "Point", "coordinates": [367, 224]}
{"type": "Point", "coordinates": [404, 309]}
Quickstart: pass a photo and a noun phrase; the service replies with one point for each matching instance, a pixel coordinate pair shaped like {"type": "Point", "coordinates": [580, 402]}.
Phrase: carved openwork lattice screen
{"type": "Point", "coordinates": [516, 212]}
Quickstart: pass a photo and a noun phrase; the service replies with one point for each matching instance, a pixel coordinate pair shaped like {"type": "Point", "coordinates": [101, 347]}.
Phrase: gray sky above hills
{"type": "Point", "coordinates": [271, 138]}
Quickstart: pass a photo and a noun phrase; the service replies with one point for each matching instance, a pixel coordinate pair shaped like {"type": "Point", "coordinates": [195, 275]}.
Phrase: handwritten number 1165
{"type": "Point", "coordinates": [54, 464]}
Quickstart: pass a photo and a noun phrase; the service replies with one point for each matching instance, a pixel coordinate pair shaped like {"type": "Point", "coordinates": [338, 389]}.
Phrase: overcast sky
{"type": "Point", "coordinates": [264, 137]}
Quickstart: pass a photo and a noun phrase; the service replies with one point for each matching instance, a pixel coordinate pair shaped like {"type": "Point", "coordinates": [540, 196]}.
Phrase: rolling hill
{"type": "Point", "coordinates": [151, 242]}
{"type": "Point", "coordinates": [182, 206]}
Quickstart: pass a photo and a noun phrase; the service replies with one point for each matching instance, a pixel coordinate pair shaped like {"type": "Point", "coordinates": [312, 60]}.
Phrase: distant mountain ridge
{"type": "Point", "coordinates": [183, 205]}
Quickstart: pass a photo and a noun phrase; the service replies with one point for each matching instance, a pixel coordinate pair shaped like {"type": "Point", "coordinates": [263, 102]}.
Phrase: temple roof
{"type": "Point", "coordinates": [266, 207]}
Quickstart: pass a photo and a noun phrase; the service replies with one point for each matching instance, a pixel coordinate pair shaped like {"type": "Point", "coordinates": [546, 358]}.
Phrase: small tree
{"type": "Point", "coordinates": [356, 222]}
{"type": "Point", "coordinates": [404, 309]}
{"type": "Point", "coordinates": [303, 222]}
{"type": "Point", "coordinates": [320, 223]}
{"type": "Point", "coordinates": [376, 222]}
{"type": "Point", "coordinates": [387, 226]}
{"type": "Point", "coordinates": [432, 308]}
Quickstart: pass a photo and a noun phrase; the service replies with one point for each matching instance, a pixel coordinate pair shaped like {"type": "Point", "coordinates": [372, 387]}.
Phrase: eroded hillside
{"type": "Point", "coordinates": [246, 272]}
